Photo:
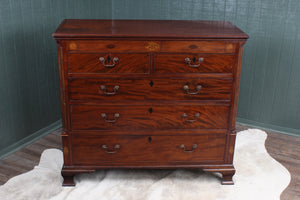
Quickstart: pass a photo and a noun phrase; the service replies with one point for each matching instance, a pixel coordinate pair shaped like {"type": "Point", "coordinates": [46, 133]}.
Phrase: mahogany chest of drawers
{"type": "Point", "coordinates": [149, 94]}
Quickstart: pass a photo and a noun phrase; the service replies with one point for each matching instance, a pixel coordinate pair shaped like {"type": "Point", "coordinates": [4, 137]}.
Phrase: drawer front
{"type": "Point", "coordinates": [105, 150]}
{"type": "Point", "coordinates": [151, 46]}
{"type": "Point", "coordinates": [109, 63]}
{"type": "Point", "coordinates": [140, 117]}
{"type": "Point", "coordinates": [123, 46]}
{"type": "Point", "coordinates": [193, 63]}
{"type": "Point", "coordinates": [150, 89]}
{"type": "Point", "coordinates": [198, 46]}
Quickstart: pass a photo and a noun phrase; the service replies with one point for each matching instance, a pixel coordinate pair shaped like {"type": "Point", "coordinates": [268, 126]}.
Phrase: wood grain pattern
{"type": "Point", "coordinates": [87, 150]}
{"type": "Point", "coordinates": [149, 89]}
{"type": "Point", "coordinates": [175, 63]}
{"type": "Point", "coordinates": [127, 63]}
{"type": "Point", "coordinates": [141, 118]}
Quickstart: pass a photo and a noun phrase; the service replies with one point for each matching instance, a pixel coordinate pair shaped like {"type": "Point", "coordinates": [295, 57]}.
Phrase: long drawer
{"type": "Point", "coordinates": [141, 117]}
{"type": "Point", "coordinates": [150, 89]}
{"type": "Point", "coordinates": [113, 150]}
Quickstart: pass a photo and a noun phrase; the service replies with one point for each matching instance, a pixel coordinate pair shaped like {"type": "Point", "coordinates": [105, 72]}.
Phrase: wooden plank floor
{"type": "Point", "coordinates": [284, 148]}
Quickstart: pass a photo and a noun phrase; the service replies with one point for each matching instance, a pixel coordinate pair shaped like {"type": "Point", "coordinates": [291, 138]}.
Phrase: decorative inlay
{"type": "Point", "coordinates": [152, 46]}
{"type": "Point", "coordinates": [231, 150]}
{"type": "Point", "coordinates": [229, 47]}
{"type": "Point", "coordinates": [193, 46]}
{"type": "Point", "coordinates": [66, 150]}
{"type": "Point", "coordinates": [73, 46]}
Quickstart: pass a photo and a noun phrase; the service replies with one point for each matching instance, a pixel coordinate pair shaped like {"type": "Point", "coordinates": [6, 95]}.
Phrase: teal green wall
{"type": "Point", "coordinates": [29, 94]}
{"type": "Point", "coordinates": [29, 87]}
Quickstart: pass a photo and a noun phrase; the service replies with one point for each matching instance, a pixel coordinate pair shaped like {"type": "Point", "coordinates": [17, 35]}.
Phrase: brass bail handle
{"type": "Point", "coordinates": [189, 62]}
{"type": "Point", "coordinates": [114, 150]}
{"type": "Point", "coordinates": [115, 61]}
{"type": "Point", "coordinates": [188, 151]}
{"type": "Point", "coordinates": [116, 117]}
{"type": "Point", "coordinates": [185, 116]}
{"type": "Point", "coordinates": [186, 88]}
{"type": "Point", "coordinates": [105, 92]}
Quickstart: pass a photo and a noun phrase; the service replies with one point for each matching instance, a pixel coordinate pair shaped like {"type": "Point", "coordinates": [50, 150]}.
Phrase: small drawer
{"type": "Point", "coordinates": [198, 46]}
{"type": "Point", "coordinates": [88, 89]}
{"type": "Point", "coordinates": [193, 63]}
{"type": "Point", "coordinates": [109, 63]}
{"type": "Point", "coordinates": [121, 46]}
{"type": "Point", "coordinates": [113, 150]}
{"type": "Point", "coordinates": [150, 117]}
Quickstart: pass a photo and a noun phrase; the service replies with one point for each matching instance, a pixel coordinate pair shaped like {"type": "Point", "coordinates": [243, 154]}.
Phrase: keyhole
{"type": "Point", "coordinates": [151, 83]}
{"type": "Point", "coordinates": [194, 59]}
{"type": "Point", "coordinates": [150, 110]}
{"type": "Point", "coordinates": [108, 59]}
{"type": "Point", "coordinates": [149, 138]}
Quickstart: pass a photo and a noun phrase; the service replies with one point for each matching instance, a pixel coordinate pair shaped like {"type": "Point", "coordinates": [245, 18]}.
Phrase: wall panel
{"type": "Point", "coordinates": [29, 88]}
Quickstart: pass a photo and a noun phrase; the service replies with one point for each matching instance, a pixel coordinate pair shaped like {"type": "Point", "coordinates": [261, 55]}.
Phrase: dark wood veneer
{"type": "Point", "coordinates": [150, 104]}
{"type": "Point", "coordinates": [174, 63]}
{"type": "Point", "coordinates": [142, 89]}
{"type": "Point", "coordinates": [88, 150]}
{"type": "Point", "coordinates": [153, 117]}
{"type": "Point", "coordinates": [127, 63]}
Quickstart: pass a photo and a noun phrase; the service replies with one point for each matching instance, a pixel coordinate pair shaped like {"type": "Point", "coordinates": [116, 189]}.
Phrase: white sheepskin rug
{"type": "Point", "coordinates": [258, 177]}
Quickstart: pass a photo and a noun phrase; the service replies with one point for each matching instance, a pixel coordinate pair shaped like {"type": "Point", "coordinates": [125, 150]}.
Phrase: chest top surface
{"type": "Point", "coordinates": [79, 28]}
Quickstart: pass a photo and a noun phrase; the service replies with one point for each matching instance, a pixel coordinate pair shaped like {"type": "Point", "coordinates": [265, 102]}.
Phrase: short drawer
{"type": "Point", "coordinates": [142, 117]}
{"type": "Point", "coordinates": [113, 150]}
{"type": "Point", "coordinates": [195, 46]}
{"type": "Point", "coordinates": [193, 63]}
{"type": "Point", "coordinates": [150, 89]}
{"type": "Point", "coordinates": [109, 63]}
{"type": "Point", "coordinates": [120, 46]}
